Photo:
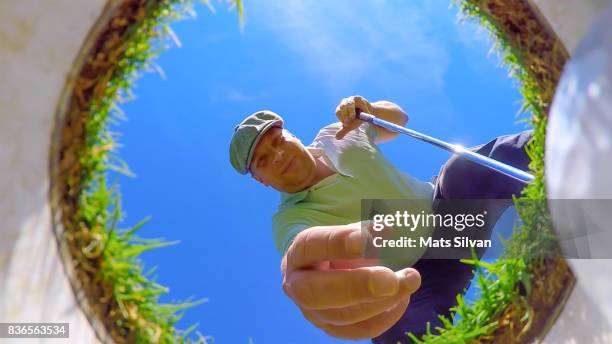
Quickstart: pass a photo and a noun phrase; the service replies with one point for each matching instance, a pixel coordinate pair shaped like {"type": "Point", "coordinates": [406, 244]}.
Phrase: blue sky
{"type": "Point", "coordinates": [298, 58]}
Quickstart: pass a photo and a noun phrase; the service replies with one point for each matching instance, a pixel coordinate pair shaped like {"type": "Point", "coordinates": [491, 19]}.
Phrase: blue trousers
{"type": "Point", "coordinates": [443, 279]}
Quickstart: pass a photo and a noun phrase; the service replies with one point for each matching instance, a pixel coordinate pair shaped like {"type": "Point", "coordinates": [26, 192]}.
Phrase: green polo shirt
{"type": "Point", "coordinates": [362, 172]}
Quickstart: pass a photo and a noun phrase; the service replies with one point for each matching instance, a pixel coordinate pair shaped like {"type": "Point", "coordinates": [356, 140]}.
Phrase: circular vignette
{"type": "Point", "coordinates": [100, 56]}
{"type": "Point", "coordinates": [516, 22]}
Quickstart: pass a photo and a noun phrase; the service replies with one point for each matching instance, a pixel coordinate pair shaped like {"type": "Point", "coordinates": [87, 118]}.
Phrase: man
{"type": "Point", "coordinates": [317, 227]}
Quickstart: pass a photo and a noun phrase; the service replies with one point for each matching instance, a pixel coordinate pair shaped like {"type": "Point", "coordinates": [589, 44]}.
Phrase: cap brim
{"type": "Point", "coordinates": [256, 141]}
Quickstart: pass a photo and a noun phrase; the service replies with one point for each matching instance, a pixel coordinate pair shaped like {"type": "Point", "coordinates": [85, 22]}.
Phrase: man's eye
{"type": "Point", "coordinates": [262, 161]}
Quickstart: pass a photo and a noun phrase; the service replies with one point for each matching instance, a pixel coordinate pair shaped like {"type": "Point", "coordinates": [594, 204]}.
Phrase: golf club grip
{"type": "Point", "coordinates": [366, 117]}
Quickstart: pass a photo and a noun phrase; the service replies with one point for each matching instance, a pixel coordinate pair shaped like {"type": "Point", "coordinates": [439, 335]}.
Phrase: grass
{"type": "Point", "coordinates": [135, 294]}
{"type": "Point", "coordinates": [507, 281]}
{"type": "Point", "coordinates": [131, 296]}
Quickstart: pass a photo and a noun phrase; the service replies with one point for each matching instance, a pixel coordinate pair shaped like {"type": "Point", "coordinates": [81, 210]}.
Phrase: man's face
{"type": "Point", "coordinates": [281, 161]}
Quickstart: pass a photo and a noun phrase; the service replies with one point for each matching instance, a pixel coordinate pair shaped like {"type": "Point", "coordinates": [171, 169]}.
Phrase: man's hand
{"type": "Point", "coordinates": [346, 112]}
{"type": "Point", "coordinates": [338, 291]}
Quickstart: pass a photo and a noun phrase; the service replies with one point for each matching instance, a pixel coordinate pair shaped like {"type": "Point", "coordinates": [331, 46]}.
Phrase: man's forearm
{"type": "Point", "coordinates": [389, 112]}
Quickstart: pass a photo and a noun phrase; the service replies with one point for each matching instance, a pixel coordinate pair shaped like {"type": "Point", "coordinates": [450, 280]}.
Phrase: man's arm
{"type": "Point", "coordinates": [391, 112]}
{"type": "Point", "coordinates": [347, 114]}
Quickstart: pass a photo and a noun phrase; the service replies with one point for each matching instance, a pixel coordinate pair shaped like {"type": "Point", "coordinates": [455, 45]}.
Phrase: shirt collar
{"type": "Point", "coordinates": [289, 199]}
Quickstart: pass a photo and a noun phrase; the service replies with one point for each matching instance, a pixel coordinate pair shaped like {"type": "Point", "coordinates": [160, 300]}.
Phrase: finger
{"type": "Point", "coordinates": [318, 244]}
{"type": "Point", "coordinates": [316, 289]}
{"type": "Point", "coordinates": [327, 289]}
{"type": "Point", "coordinates": [354, 263]}
{"type": "Point", "coordinates": [341, 133]}
{"type": "Point", "coordinates": [360, 312]}
{"type": "Point", "coordinates": [340, 113]}
{"type": "Point", "coordinates": [354, 314]}
{"type": "Point", "coordinates": [347, 129]}
{"type": "Point", "coordinates": [343, 107]}
{"type": "Point", "coordinates": [352, 115]}
{"type": "Point", "coordinates": [358, 100]}
{"type": "Point", "coordinates": [370, 328]}
{"type": "Point", "coordinates": [346, 114]}
{"type": "Point", "coordinates": [363, 104]}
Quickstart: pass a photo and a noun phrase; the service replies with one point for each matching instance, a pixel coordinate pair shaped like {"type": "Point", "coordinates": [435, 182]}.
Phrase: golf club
{"type": "Point", "coordinates": [456, 149]}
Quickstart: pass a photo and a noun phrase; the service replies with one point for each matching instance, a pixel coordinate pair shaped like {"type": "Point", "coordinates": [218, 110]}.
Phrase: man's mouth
{"type": "Point", "coordinates": [288, 165]}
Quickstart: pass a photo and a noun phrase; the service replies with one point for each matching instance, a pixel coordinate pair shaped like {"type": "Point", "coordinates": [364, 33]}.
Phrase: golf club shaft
{"type": "Point", "coordinates": [456, 149]}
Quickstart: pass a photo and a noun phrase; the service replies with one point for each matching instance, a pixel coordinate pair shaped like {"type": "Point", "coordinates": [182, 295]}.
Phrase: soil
{"type": "Point", "coordinates": [98, 64]}
{"type": "Point", "coordinates": [525, 30]}
{"type": "Point", "coordinates": [544, 55]}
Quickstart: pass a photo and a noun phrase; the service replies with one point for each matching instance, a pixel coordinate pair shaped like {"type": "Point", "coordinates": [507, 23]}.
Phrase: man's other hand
{"type": "Point", "coordinates": [346, 112]}
{"type": "Point", "coordinates": [339, 291]}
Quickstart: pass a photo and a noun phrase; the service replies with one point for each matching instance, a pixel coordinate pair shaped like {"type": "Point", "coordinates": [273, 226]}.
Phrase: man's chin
{"type": "Point", "coordinates": [293, 187]}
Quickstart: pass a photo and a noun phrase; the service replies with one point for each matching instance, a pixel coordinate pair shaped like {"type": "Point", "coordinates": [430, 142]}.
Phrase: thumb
{"type": "Point", "coordinates": [410, 280]}
{"type": "Point", "coordinates": [347, 128]}
{"type": "Point", "coordinates": [342, 132]}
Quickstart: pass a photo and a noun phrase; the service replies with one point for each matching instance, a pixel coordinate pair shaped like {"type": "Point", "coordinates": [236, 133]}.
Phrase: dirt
{"type": "Point", "coordinates": [544, 56]}
{"type": "Point", "coordinates": [90, 83]}
{"type": "Point", "coordinates": [528, 32]}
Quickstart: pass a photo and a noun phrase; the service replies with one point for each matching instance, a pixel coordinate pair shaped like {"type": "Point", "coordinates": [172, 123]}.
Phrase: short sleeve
{"type": "Point", "coordinates": [286, 224]}
{"type": "Point", "coordinates": [370, 130]}
{"type": "Point", "coordinates": [287, 234]}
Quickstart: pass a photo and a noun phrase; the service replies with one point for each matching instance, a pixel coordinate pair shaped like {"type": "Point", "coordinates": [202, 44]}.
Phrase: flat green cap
{"type": "Point", "coordinates": [246, 136]}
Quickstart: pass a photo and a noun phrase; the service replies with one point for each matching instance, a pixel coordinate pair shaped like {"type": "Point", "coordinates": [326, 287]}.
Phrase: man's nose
{"type": "Point", "coordinates": [278, 156]}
